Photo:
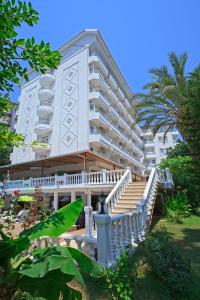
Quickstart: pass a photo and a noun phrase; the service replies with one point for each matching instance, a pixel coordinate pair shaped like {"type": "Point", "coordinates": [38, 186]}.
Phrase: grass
{"type": "Point", "coordinates": [148, 286]}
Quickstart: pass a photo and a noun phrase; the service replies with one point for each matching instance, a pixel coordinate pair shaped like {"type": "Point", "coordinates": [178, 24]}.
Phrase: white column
{"type": "Point", "coordinates": [103, 239]}
{"type": "Point", "coordinates": [88, 198]}
{"type": "Point", "coordinates": [55, 201]}
{"type": "Point", "coordinates": [73, 196]}
{"type": "Point", "coordinates": [88, 220]}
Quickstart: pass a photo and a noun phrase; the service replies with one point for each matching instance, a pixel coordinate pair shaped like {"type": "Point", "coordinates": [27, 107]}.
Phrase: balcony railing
{"type": "Point", "coordinates": [102, 177]}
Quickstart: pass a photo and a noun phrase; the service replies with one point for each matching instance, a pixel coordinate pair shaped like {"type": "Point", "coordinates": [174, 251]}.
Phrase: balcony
{"type": "Point", "coordinates": [41, 148]}
{"type": "Point", "coordinates": [149, 144]}
{"type": "Point", "coordinates": [100, 98]}
{"type": "Point", "coordinates": [67, 181]}
{"type": "Point", "coordinates": [47, 80]}
{"type": "Point", "coordinates": [113, 97]}
{"type": "Point", "coordinates": [112, 82]}
{"type": "Point", "coordinates": [43, 127]}
{"type": "Point", "coordinates": [44, 109]}
{"type": "Point", "coordinates": [120, 94]}
{"type": "Point", "coordinates": [95, 60]}
{"type": "Point", "coordinates": [98, 82]}
{"type": "Point", "coordinates": [150, 155]}
{"type": "Point", "coordinates": [45, 95]}
{"type": "Point", "coordinates": [99, 119]}
{"type": "Point", "coordinates": [147, 133]}
{"type": "Point", "coordinates": [136, 138]}
{"type": "Point", "coordinates": [175, 133]}
{"type": "Point", "coordinates": [100, 138]}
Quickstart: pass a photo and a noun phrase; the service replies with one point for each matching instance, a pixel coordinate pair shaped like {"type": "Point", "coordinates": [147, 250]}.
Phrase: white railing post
{"type": "Point", "coordinates": [103, 239]}
{"type": "Point", "coordinates": [65, 178]}
{"type": "Point", "coordinates": [88, 220]}
{"type": "Point", "coordinates": [103, 171]}
{"type": "Point", "coordinates": [83, 177]}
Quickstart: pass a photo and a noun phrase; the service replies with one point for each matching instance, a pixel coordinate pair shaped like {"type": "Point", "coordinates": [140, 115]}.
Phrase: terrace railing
{"type": "Point", "coordinates": [92, 178]}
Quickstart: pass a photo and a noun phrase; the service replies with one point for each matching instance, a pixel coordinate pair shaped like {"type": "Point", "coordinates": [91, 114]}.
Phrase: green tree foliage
{"type": "Point", "coordinates": [17, 54]}
{"type": "Point", "coordinates": [172, 99]}
{"type": "Point", "coordinates": [162, 104]}
{"type": "Point", "coordinates": [181, 149]}
{"type": "Point", "coordinates": [44, 272]}
{"type": "Point", "coordinates": [192, 114]}
{"type": "Point", "coordinates": [185, 177]}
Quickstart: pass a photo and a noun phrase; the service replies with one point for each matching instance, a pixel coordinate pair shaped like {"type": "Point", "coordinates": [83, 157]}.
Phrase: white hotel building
{"type": "Point", "coordinates": [155, 147]}
{"type": "Point", "coordinates": [82, 106]}
{"type": "Point", "coordinates": [80, 113]}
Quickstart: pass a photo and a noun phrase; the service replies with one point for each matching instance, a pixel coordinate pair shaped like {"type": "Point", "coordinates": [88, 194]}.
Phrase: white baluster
{"type": "Point", "coordinates": [112, 242]}
{"type": "Point", "coordinates": [118, 238]}
{"type": "Point", "coordinates": [123, 234]}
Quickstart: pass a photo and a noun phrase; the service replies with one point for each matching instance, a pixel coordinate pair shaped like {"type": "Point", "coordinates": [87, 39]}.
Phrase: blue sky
{"type": "Point", "coordinates": [139, 34]}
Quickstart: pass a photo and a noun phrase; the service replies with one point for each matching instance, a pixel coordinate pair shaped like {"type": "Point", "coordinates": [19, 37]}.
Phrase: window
{"type": "Point", "coordinates": [160, 139]}
{"type": "Point", "coordinates": [93, 129]}
{"type": "Point", "coordinates": [162, 150]}
{"type": "Point", "coordinates": [92, 107]}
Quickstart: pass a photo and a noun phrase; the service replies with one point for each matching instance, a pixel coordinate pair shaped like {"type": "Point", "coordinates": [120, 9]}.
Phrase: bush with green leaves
{"type": "Point", "coordinates": [168, 261]}
{"type": "Point", "coordinates": [121, 279]}
{"type": "Point", "coordinates": [177, 207]}
{"type": "Point", "coordinates": [44, 272]}
{"type": "Point", "coordinates": [185, 177]}
{"type": "Point", "coordinates": [181, 149]}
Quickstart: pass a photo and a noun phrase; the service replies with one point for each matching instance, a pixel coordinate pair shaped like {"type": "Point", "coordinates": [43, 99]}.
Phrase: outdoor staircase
{"type": "Point", "coordinates": [129, 198]}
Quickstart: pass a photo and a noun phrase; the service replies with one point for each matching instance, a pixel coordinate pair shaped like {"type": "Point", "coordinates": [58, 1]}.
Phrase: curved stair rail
{"type": "Point", "coordinates": [147, 201]}
{"type": "Point", "coordinates": [117, 191]}
{"type": "Point", "coordinates": [116, 232]}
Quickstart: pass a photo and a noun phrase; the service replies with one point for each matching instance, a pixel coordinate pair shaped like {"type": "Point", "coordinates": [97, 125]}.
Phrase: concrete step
{"type": "Point", "coordinates": [135, 188]}
{"type": "Point", "coordinates": [125, 205]}
{"type": "Point", "coordinates": [130, 197]}
{"type": "Point", "coordinates": [137, 184]}
{"type": "Point", "coordinates": [132, 193]}
{"type": "Point", "coordinates": [128, 201]}
{"type": "Point", "coordinates": [121, 210]}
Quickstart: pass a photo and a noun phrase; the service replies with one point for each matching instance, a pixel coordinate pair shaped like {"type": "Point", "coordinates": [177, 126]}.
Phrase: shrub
{"type": "Point", "coordinates": [121, 279]}
{"type": "Point", "coordinates": [168, 261]}
{"type": "Point", "coordinates": [176, 207]}
{"type": "Point", "coordinates": [185, 176]}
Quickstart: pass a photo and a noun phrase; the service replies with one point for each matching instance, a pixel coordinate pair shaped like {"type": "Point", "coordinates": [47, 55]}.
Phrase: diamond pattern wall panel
{"type": "Point", "coordinates": [69, 114]}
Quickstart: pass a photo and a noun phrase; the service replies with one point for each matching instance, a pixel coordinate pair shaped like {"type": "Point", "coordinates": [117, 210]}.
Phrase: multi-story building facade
{"type": "Point", "coordinates": [81, 106]}
{"type": "Point", "coordinates": [155, 147]}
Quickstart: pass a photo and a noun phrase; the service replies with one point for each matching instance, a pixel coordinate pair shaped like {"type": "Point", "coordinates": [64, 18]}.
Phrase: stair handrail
{"type": "Point", "coordinates": [148, 186]}
{"type": "Point", "coordinates": [118, 190]}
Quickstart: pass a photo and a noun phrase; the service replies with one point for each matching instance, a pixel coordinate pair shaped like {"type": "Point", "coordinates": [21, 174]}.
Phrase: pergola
{"type": "Point", "coordinates": [68, 159]}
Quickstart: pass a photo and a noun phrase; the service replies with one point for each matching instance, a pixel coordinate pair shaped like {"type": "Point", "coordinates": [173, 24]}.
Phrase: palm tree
{"type": "Point", "coordinates": [163, 103]}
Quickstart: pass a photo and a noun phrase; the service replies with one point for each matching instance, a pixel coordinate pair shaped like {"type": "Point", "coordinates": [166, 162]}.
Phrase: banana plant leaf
{"type": "Point", "coordinates": [58, 223]}
{"type": "Point", "coordinates": [52, 286]}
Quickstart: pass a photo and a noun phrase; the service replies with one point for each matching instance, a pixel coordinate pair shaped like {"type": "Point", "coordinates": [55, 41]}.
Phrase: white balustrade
{"type": "Point", "coordinates": [117, 191]}
{"type": "Point", "coordinates": [115, 233]}
{"type": "Point", "coordinates": [102, 177]}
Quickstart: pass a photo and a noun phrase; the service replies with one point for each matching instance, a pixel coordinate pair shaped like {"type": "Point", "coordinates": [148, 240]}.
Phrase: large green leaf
{"type": "Point", "coordinates": [11, 248]}
{"type": "Point", "coordinates": [51, 286]}
{"type": "Point", "coordinates": [56, 224]}
{"type": "Point", "coordinates": [67, 260]}
{"type": "Point", "coordinates": [86, 264]}
{"type": "Point", "coordinates": [51, 258]}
